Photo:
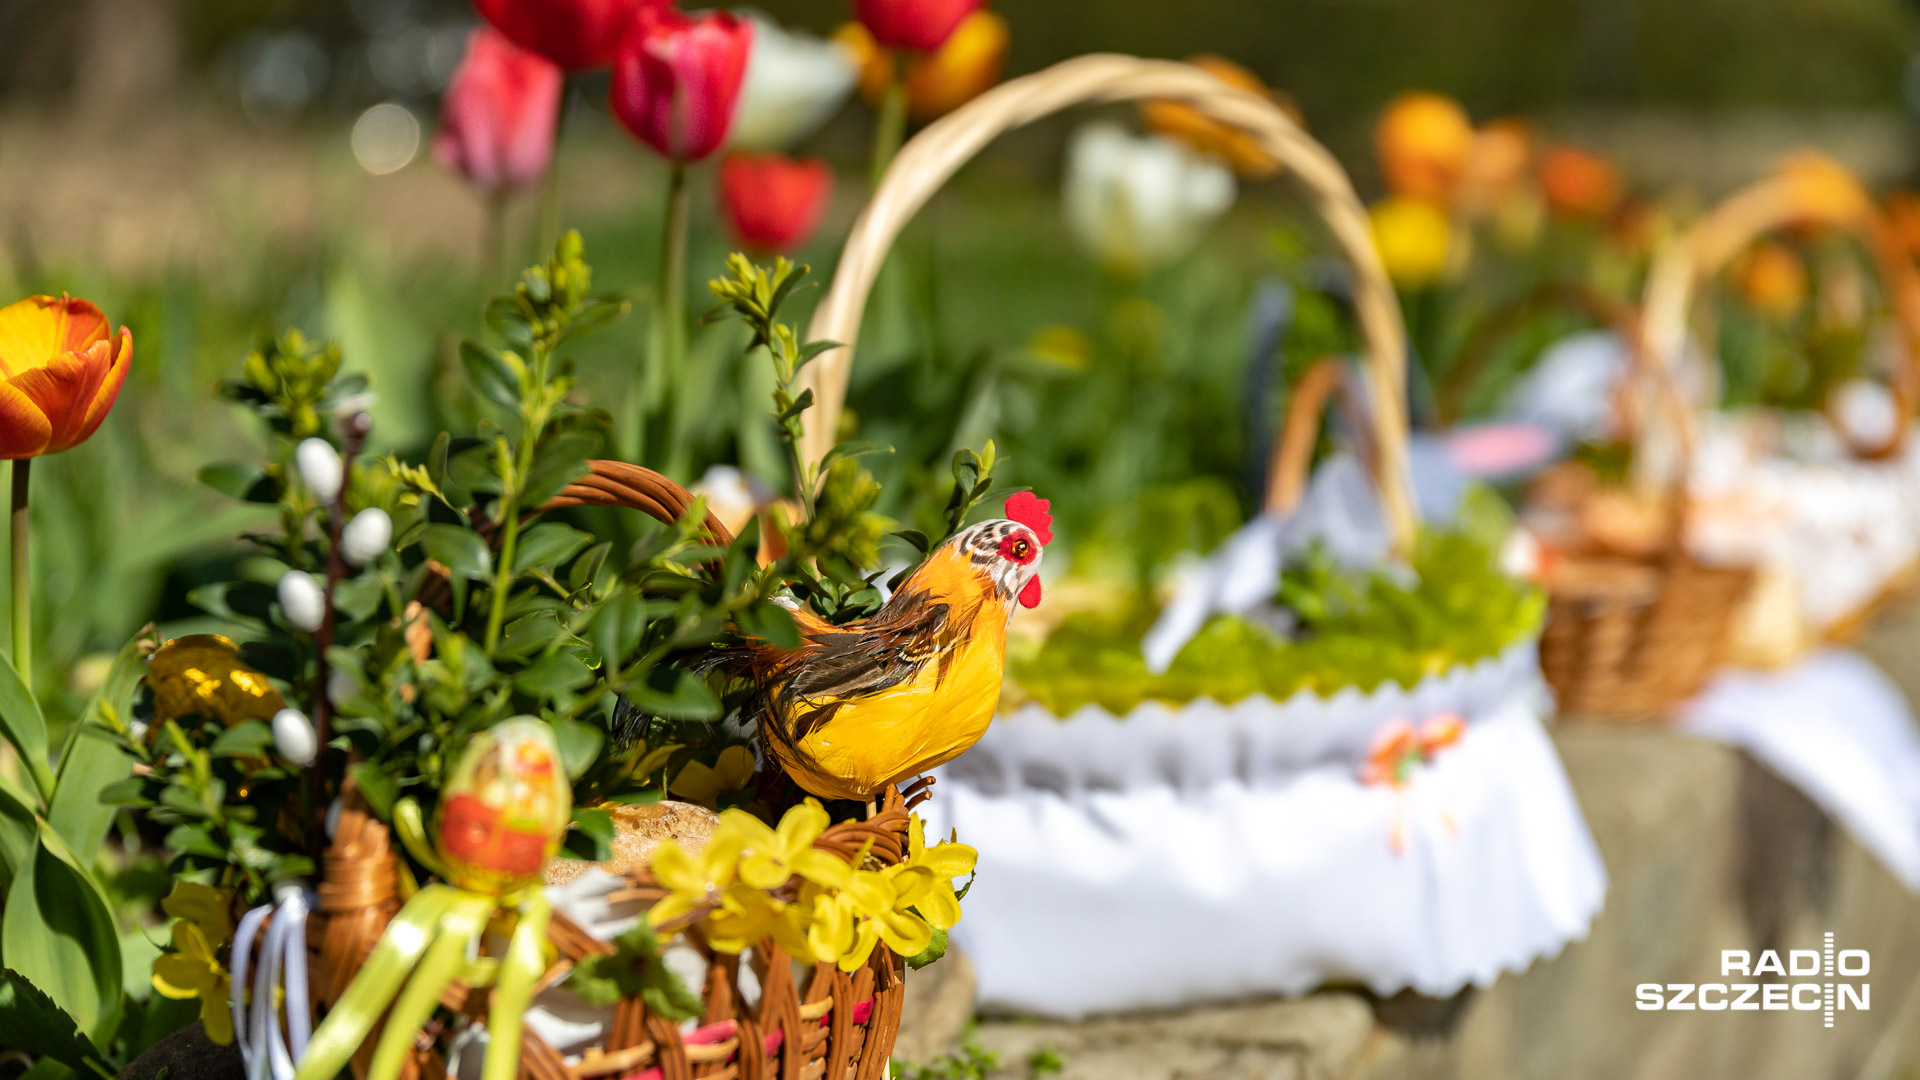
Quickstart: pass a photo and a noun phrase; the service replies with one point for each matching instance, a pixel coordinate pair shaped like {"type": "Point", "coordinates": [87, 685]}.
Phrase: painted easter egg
{"type": "Point", "coordinates": [505, 808]}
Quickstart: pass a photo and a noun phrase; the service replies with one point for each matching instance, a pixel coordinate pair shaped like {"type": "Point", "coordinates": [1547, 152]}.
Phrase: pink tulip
{"type": "Point", "coordinates": [773, 203]}
{"type": "Point", "coordinates": [497, 119]}
{"type": "Point", "coordinates": [576, 34]}
{"type": "Point", "coordinates": [676, 80]}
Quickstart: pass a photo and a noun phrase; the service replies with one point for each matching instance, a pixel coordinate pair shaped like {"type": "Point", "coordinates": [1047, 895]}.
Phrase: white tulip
{"type": "Point", "coordinates": [366, 536]}
{"type": "Point", "coordinates": [732, 496]}
{"type": "Point", "coordinates": [302, 600]}
{"type": "Point", "coordinates": [794, 83]}
{"type": "Point", "coordinates": [319, 467]}
{"type": "Point", "coordinates": [294, 737]}
{"type": "Point", "coordinates": [1136, 202]}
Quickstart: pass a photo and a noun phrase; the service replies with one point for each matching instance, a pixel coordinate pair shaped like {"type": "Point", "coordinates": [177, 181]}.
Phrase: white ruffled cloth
{"type": "Point", "coordinates": [1785, 492]}
{"type": "Point", "coordinates": [1213, 852]}
{"type": "Point", "coordinates": [1838, 729]}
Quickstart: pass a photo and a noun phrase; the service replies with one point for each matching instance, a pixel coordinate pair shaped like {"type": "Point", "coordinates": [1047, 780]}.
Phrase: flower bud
{"type": "Point", "coordinates": [294, 737]}
{"type": "Point", "coordinates": [319, 467]}
{"type": "Point", "coordinates": [366, 536]}
{"type": "Point", "coordinates": [302, 601]}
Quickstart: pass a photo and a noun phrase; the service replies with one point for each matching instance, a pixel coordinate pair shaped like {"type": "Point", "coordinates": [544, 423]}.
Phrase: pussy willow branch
{"type": "Point", "coordinates": [354, 434]}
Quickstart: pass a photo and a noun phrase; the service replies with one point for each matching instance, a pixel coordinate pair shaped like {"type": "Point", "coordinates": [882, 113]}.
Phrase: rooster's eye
{"type": "Point", "coordinates": [1019, 549]}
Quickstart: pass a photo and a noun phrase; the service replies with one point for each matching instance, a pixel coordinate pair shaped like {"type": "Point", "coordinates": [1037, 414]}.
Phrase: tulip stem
{"type": "Point", "coordinates": [891, 130]}
{"type": "Point", "coordinates": [495, 252]}
{"type": "Point", "coordinates": [673, 302]}
{"type": "Point", "coordinates": [22, 586]}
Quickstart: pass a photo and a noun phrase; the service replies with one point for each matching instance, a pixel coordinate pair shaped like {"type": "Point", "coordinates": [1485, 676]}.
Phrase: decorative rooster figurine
{"type": "Point", "coordinates": [886, 698]}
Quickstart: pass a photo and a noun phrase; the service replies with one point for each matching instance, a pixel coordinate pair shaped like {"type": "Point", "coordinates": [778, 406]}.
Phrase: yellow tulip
{"type": "Point", "coordinates": [1412, 237]}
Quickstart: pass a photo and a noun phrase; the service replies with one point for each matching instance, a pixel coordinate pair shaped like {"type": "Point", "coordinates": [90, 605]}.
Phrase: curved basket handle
{"type": "Point", "coordinates": [1293, 450]}
{"type": "Point", "coordinates": [1505, 321]}
{"type": "Point", "coordinates": [1818, 194]}
{"type": "Point", "coordinates": [934, 155]}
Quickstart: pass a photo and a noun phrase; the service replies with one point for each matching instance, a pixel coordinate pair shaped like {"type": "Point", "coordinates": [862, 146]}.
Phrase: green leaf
{"type": "Point", "coordinates": [935, 949]}
{"type": "Point", "coordinates": [194, 840]}
{"type": "Point", "coordinates": [92, 760]}
{"type": "Point", "coordinates": [580, 744]}
{"type": "Point", "coordinates": [634, 969]}
{"type": "Point", "coordinates": [591, 837]}
{"type": "Point", "coordinates": [855, 448]}
{"type": "Point", "coordinates": [241, 480]}
{"type": "Point", "coordinates": [549, 544]}
{"type": "Point", "coordinates": [771, 623]}
{"type": "Point", "coordinates": [587, 567]}
{"type": "Point", "coordinates": [129, 792]}
{"type": "Point", "coordinates": [58, 932]}
{"type": "Point", "coordinates": [490, 375]}
{"type": "Point", "coordinates": [688, 698]}
{"type": "Point", "coordinates": [18, 828]}
{"type": "Point", "coordinates": [22, 725]}
{"type": "Point", "coordinates": [458, 549]}
{"type": "Point", "coordinates": [616, 626]}
{"type": "Point", "coordinates": [35, 1024]}
{"type": "Point", "coordinates": [377, 786]}
{"type": "Point", "coordinates": [561, 461]}
{"type": "Point", "coordinates": [553, 675]}
{"type": "Point", "coordinates": [248, 738]}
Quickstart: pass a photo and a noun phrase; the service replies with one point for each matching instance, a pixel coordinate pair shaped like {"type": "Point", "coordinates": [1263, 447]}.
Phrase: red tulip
{"type": "Point", "coordinates": [773, 203]}
{"type": "Point", "coordinates": [676, 80]}
{"type": "Point", "coordinates": [921, 25]}
{"type": "Point", "coordinates": [576, 34]}
{"type": "Point", "coordinates": [498, 116]}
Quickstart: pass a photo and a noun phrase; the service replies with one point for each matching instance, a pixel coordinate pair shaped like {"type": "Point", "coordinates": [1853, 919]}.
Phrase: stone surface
{"type": "Point", "coordinates": [1706, 851]}
{"type": "Point", "coordinates": [938, 1005]}
{"type": "Point", "coordinates": [186, 1054]}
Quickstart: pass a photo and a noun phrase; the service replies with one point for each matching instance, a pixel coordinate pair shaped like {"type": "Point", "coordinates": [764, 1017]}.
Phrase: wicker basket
{"type": "Point", "coordinates": [1631, 634]}
{"type": "Point", "coordinates": [808, 1022]}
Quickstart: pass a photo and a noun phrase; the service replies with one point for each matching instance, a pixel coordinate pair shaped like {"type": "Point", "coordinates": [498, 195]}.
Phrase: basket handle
{"type": "Point", "coordinates": [1505, 321]}
{"type": "Point", "coordinates": [939, 151]}
{"type": "Point", "coordinates": [1819, 194]}
{"type": "Point", "coordinates": [1293, 450]}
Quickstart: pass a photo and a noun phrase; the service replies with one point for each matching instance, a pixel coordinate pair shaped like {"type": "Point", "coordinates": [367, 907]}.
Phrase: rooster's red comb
{"type": "Point", "coordinates": [1031, 510]}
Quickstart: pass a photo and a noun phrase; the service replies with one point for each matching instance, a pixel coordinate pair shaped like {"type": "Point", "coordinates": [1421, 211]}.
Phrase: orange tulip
{"type": "Point", "coordinates": [63, 365]}
{"type": "Point", "coordinates": [1903, 214]}
{"type": "Point", "coordinates": [1579, 184]}
{"type": "Point", "coordinates": [877, 69]}
{"type": "Point", "coordinates": [962, 69]}
{"type": "Point", "coordinates": [937, 83]}
{"type": "Point", "coordinates": [1209, 136]}
{"type": "Point", "coordinates": [1424, 141]}
{"type": "Point", "coordinates": [1772, 279]}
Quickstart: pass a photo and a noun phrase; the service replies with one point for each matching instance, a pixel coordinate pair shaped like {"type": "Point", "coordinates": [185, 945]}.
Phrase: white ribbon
{"type": "Point", "coordinates": [268, 1050]}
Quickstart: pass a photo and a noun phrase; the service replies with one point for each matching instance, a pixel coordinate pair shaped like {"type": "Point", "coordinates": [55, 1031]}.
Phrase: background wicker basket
{"type": "Point", "coordinates": [1631, 634]}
